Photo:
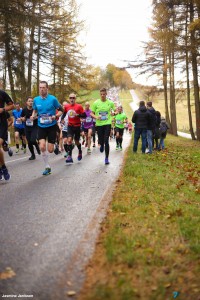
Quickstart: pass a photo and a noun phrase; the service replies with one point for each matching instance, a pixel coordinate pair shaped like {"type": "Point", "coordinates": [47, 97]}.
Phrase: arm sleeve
{"type": "Point", "coordinates": [133, 118]}
{"type": "Point", "coordinates": [6, 97]}
{"type": "Point", "coordinates": [23, 113]}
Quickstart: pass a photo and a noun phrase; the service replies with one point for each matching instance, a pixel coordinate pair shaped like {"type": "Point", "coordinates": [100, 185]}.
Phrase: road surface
{"type": "Point", "coordinates": [49, 224]}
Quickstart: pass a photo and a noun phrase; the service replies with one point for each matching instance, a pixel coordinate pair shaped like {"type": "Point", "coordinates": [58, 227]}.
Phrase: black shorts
{"type": "Point", "coordinates": [4, 131]}
{"type": "Point", "coordinates": [48, 133]}
{"type": "Point", "coordinates": [120, 130]}
{"type": "Point", "coordinates": [74, 132]}
{"type": "Point", "coordinates": [20, 130]}
{"type": "Point", "coordinates": [57, 129]}
{"type": "Point", "coordinates": [64, 134]}
{"type": "Point", "coordinates": [31, 133]}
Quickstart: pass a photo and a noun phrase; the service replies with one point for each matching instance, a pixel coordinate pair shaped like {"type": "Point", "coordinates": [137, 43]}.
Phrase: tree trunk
{"type": "Point", "coordinates": [165, 88]}
{"type": "Point", "coordinates": [30, 56]}
{"type": "Point", "coordinates": [38, 59]}
{"type": "Point", "coordinates": [172, 87]}
{"type": "Point", "coordinates": [9, 59]}
{"type": "Point", "coordinates": [188, 79]}
{"type": "Point", "coordinates": [195, 73]}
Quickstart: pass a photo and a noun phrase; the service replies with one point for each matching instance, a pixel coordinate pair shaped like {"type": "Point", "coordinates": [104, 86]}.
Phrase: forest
{"type": "Point", "coordinates": [40, 38]}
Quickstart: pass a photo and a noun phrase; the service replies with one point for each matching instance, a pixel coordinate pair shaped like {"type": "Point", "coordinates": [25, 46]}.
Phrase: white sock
{"type": "Point", "coordinates": [45, 156]}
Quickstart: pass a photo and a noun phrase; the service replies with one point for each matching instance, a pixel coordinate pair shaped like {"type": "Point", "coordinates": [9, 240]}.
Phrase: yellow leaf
{"type": "Point", "coordinates": [71, 293]}
{"type": "Point", "coordinates": [167, 285]}
{"type": "Point", "coordinates": [8, 273]}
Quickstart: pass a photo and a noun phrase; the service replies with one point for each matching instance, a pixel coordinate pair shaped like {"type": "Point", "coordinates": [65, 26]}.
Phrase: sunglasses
{"type": "Point", "coordinates": [72, 97]}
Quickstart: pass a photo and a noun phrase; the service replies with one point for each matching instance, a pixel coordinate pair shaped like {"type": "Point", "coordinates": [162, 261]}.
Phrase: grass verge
{"type": "Point", "coordinates": [149, 246]}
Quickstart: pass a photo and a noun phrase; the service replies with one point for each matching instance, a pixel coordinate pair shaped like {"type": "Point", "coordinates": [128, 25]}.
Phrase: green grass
{"type": "Point", "coordinates": [126, 99]}
{"type": "Point", "coordinates": [150, 241]}
{"type": "Point", "coordinates": [88, 96]}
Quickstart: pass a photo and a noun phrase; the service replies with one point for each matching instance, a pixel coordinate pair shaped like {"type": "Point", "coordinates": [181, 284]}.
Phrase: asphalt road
{"type": "Point", "coordinates": [49, 224]}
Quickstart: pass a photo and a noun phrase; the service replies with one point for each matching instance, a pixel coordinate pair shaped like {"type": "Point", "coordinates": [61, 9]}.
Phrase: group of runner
{"type": "Point", "coordinates": [49, 125]}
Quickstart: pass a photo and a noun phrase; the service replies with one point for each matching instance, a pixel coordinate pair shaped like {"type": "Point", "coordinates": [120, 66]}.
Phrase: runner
{"type": "Point", "coordinates": [31, 127]}
{"type": "Point", "coordinates": [112, 132]}
{"type": "Point", "coordinates": [6, 104]}
{"type": "Point", "coordinates": [19, 128]}
{"type": "Point", "coordinates": [6, 142]}
{"type": "Point", "coordinates": [64, 128]}
{"type": "Point", "coordinates": [120, 118]}
{"type": "Point", "coordinates": [130, 127]}
{"type": "Point", "coordinates": [74, 111]}
{"type": "Point", "coordinates": [45, 106]}
{"type": "Point", "coordinates": [94, 133]}
{"type": "Point", "coordinates": [88, 126]}
{"type": "Point", "coordinates": [102, 112]}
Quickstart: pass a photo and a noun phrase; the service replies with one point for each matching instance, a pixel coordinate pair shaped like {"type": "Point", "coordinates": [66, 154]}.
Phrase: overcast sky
{"type": "Point", "coordinates": [114, 30]}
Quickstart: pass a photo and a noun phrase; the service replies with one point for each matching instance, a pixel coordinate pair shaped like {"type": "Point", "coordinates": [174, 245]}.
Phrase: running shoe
{"type": "Point", "coordinates": [6, 175]}
{"type": "Point", "coordinates": [88, 151]}
{"type": "Point", "coordinates": [47, 171]}
{"type": "Point", "coordinates": [117, 147]}
{"type": "Point", "coordinates": [106, 161]}
{"type": "Point", "coordinates": [79, 156]}
{"type": "Point", "coordinates": [69, 159]}
{"type": "Point", "coordinates": [94, 145]}
{"type": "Point", "coordinates": [1, 174]}
{"type": "Point", "coordinates": [32, 157]}
{"type": "Point", "coordinates": [24, 150]}
{"type": "Point", "coordinates": [56, 150]}
{"type": "Point", "coordinates": [10, 152]}
{"type": "Point", "coordinates": [120, 148]}
{"type": "Point", "coordinates": [17, 150]}
{"type": "Point", "coordinates": [101, 148]}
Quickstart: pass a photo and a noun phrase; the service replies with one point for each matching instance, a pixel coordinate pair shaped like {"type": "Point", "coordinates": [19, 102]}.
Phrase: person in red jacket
{"type": "Point", "coordinates": [74, 111]}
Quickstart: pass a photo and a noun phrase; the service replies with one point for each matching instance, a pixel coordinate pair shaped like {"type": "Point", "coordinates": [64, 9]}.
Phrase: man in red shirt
{"type": "Point", "coordinates": [74, 111]}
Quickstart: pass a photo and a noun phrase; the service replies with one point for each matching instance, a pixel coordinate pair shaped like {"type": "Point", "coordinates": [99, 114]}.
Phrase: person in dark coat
{"type": "Point", "coordinates": [151, 127]}
{"type": "Point", "coordinates": [157, 132]}
{"type": "Point", "coordinates": [141, 119]}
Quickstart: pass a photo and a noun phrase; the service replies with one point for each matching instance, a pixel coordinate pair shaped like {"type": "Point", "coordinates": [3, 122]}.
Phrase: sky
{"type": "Point", "coordinates": [114, 31]}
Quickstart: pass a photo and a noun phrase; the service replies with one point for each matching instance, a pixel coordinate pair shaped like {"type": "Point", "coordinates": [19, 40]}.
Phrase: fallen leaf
{"type": "Point", "coordinates": [167, 285]}
{"type": "Point", "coordinates": [7, 274]}
{"type": "Point", "coordinates": [71, 293]}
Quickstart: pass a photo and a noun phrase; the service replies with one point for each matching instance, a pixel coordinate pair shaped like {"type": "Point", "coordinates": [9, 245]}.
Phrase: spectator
{"type": "Point", "coordinates": [151, 127]}
{"type": "Point", "coordinates": [157, 132]}
{"type": "Point", "coordinates": [163, 132]}
{"type": "Point", "coordinates": [141, 118]}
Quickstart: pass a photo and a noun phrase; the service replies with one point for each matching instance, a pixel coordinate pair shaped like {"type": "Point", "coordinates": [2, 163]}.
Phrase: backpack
{"type": "Point", "coordinates": [163, 129]}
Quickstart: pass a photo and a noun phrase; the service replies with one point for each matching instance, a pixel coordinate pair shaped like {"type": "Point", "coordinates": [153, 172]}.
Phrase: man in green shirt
{"type": "Point", "coordinates": [102, 110]}
{"type": "Point", "coordinates": [120, 119]}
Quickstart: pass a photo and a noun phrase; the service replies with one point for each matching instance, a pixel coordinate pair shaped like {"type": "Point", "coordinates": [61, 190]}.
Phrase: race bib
{"type": "Point", "coordinates": [45, 119]}
{"type": "Point", "coordinates": [118, 122]}
{"type": "Point", "coordinates": [18, 122]}
{"type": "Point", "coordinates": [88, 120]}
{"type": "Point", "coordinates": [71, 113]}
{"type": "Point", "coordinates": [29, 122]}
{"type": "Point", "coordinates": [103, 115]}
